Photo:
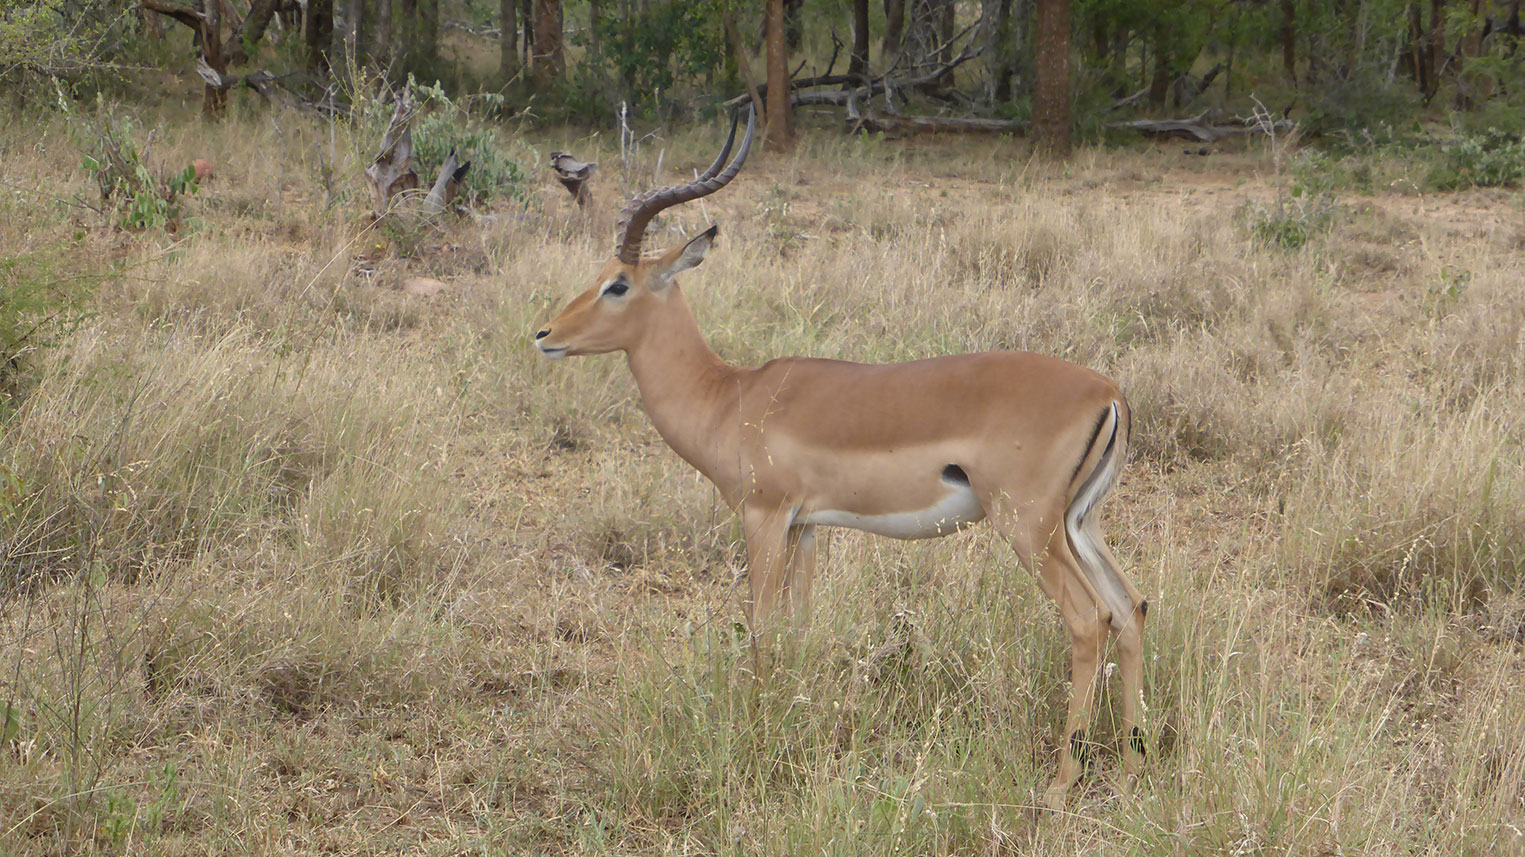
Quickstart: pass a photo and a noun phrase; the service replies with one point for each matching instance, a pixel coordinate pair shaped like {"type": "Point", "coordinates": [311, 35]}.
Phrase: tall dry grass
{"type": "Point", "coordinates": [297, 562]}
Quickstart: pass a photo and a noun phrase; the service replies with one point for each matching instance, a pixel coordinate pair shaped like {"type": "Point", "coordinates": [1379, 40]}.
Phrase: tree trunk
{"type": "Point", "coordinates": [508, 37]}
{"type": "Point", "coordinates": [527, 25]}
{"type": "Point", "coordinates": [1415, 57]}
{"type": "Point", "coordinates": [779, 119]}
{"type": "Point", "coordinates": [1289, 39]}
{"type": "Point", "coordinates": [1120, 41]}
{"type": "Point", "coordinates": [1471, 87]}
{"type": "Point", "coordinates": [1002, 53]}
{"type": "Point", "coordinates": [894, 29]}
{"type": "Point", "coordinates": [428, 19]}
{"type": "Point", "coordinates": [549, 63]}
{"type": "Point", "coordinates": [1437, 46]}
{"type": "Point", "coordinates": [318, 34]}
{"type": "Point", "coordinates": [214, 99]}
{"type": "Point", "coordinates": [794, 26]}
{"type": "Point", "coordinates": [595, 23]}
{"type": "Point", "coordinates": [152, 26]}
{"type": "Point", "coordinates": [381, 43]}
{"type": "Point", "coordinates": [858, 66]}
{"type": "Point", "coordinates": [1051, 97]}
{"type": "Point", "coordinates": [1159, 82]}
{"type": "Point", "coordinates": [945, 31]}
{"type": "Point", "coordinates": [923, 30]}
{"type": "Point", "coordinates": [218, 52]}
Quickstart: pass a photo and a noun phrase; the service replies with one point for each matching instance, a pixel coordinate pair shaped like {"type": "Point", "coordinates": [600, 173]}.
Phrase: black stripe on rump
{"type": "Point", "coordinates": [1095, 433]}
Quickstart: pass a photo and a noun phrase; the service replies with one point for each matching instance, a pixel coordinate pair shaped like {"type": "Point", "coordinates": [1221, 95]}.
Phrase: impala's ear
{"type": "Point", "coordinates": [680, 259]}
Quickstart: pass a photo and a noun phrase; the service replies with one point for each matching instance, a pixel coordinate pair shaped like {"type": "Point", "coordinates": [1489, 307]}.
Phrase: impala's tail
{"type": "Point", "coordinates": [1109, 452]}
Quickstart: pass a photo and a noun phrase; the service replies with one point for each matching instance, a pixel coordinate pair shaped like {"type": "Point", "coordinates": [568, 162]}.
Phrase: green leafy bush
{"type": "Point", "coordinates": [449, 126]}
{"type": "Point", "coordinates": [1490, 159]}
{"type": "Point", "coordinates": [640, 59]}
{"type": "Point", "coordinates": [443, 125]}
{"type": "Point", "coordinates": [1301, 212]}
{"type": "Point", "coordinates": [132, 195]}
{"type": "Point", "coordinates": [39, 302]}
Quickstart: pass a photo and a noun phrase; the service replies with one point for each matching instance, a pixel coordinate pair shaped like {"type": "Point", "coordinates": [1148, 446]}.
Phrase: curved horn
{"type": "Point", "coordinates": [643, 207]}
{"type": "Point", "coordinates": [725, 152]}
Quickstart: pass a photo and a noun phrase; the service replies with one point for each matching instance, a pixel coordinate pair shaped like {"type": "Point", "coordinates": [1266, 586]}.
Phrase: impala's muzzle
{"type": "Point", "coordinates": [554, 352]}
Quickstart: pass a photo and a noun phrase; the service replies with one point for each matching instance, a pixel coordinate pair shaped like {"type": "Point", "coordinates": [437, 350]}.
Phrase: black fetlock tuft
{"type": "Point", "coordinates": [1080, 748]}
{"type": "Point", "coordinates": [1136, 741]}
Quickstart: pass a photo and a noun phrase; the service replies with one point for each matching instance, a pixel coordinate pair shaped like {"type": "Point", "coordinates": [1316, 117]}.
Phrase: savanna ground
{"type": "Point", "coordinates": [299, 563]}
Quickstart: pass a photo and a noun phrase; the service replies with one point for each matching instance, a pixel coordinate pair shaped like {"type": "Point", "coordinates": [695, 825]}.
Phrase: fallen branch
{"type": "Point", "coordinates": [874, 85]}
{"type": "Point", "coordinates": [1194, 128]}
{"type": "Point", "coordinates": [876, 120]}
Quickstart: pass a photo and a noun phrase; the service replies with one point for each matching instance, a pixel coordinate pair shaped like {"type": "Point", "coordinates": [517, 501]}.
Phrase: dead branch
{"type": "Point", "coordinates": [451, 173]}
{"type": "Point", "coordinates": [876, 120]}
{"type": "Point", "coordinates": [1194, 128]}
{"type": "Point", "coordinates": [391, 173]}
{"type": "Point", "coordinates": [573, 175]}
{"type": "Point", "coordinates": [182, 13]}
{"type": "Point", "coordinates": [933, 75]}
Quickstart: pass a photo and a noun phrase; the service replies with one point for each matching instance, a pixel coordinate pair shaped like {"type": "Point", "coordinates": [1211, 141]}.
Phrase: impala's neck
{"type": "Point", "coordinates": [689, 392]}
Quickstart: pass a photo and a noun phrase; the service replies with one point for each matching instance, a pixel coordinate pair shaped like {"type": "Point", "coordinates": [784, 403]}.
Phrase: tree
{"type": "Point", "coordinates": [318, 33]}
{"type": "Point", "coordinates": [1051, 96]}
{"type": "Point", "coordinates": [381, 47]}
{"type": "Point", "coordinates": [508, 37]}
{"type": "Point", "coordinates": [858, 65]}
{"type": "Point", "coordinates": [779, 118]}
{"type": "Point", "coordinates": [219, 50]}
{"type": "Point", "coordinates": [55, 40]}
{"type": "Point", "coordinates": [419, 46]}
{"type": "Point", "coordinates": [894, 28]}
{"type": "Point", "coordinates": [550, 62]}
{"type": "Point", "coordinates": [794, 23]}
{"type": "Point", "coordinates": [1289, 40]}
{"type": "Point", "coordinates": [1003, 65]}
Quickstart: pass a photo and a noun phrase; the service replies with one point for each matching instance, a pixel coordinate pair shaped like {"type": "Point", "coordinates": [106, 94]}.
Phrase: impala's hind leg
{"type": "Point", "coordinates": [800, 578]}
{"type": "Point", "coordinates": [1129, 628]}
{"type": "Point", "coordinates": [1086, 618]}
{"type": "Point", "coordinates": [1112, 588]}
{"type": "Point", "coordinates": [780, 567]}
{"type": "Point", "coordinates": [766, 530]}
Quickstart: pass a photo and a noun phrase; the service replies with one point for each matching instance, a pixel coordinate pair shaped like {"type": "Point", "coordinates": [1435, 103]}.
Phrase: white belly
{"type": "Point", "coordinates": [957, 509]}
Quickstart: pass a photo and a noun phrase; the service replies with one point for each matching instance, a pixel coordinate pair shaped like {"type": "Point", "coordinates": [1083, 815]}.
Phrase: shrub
{"type": "Point", "coordinates": [132, 194]}
{"type": "Point", "coordinates": [448, 127]}
{"type": "Point", "coordinates": [38, 304]}
{"type": "Point", "coordinates": [669, 46]}
{"type": "Point", "coordinates": [1291, 224]}
{"type": "Point", "coordinates": [1490, 159]}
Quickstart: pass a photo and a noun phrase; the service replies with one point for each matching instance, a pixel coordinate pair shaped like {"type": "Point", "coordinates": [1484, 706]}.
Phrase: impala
{"type": "Point", "coordinates": [907, 450]}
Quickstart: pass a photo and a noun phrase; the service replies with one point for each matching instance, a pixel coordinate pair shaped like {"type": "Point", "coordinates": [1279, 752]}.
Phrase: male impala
{"type": "Point", "coordinates": [908, 450]}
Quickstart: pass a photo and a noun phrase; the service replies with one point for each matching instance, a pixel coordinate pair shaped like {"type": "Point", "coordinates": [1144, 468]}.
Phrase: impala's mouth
{"type": "Point", "coordinates": [552, 352]}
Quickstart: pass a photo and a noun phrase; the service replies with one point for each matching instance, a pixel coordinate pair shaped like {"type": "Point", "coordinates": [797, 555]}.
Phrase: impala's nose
{"type": "Point", "coordinates": [543, 334]}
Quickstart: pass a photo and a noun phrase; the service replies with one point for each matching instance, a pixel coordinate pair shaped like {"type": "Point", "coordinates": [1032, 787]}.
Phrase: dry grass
{"type": "Point", "coordinates": [298, 563]}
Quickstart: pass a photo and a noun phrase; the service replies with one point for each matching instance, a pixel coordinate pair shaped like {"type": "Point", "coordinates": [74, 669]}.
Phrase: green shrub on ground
{"type": "Point", "coordinates": [1490, 159]}
{"type": "Point", "coordinates": [40, 301]}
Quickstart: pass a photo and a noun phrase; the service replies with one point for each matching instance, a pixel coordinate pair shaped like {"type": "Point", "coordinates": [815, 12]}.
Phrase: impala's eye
{"type": "Point", "coordinates": [616, 288]}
